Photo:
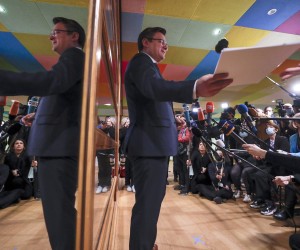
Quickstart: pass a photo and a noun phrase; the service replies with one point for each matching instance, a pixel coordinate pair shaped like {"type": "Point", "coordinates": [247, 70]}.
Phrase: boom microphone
{"type": "Point", "coordinates": [243, 110]}
{"type": "Point", "coordinates": [209, 110]}
{"type": "Point", "coordinates": [228, 129]}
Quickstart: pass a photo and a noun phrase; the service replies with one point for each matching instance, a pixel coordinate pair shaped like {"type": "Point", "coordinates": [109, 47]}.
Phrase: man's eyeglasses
{"type": "Point", "coordinates": [162, 41]}
{"type": "Point", "coordinates": [55, 32]}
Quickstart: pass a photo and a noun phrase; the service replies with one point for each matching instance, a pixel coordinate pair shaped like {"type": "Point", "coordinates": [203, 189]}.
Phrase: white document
{"type": "Point", "coordinates": [252, 64]}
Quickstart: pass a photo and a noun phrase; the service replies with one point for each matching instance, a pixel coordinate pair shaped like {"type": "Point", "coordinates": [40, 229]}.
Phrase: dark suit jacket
{"type": "Point", "coordinates": [152, 130]}
{"type": "Point", "coordinates": [55, 130]}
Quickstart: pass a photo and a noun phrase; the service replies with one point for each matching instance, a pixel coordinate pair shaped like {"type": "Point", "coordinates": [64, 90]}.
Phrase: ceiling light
{"type": "Point", "coordinates": [107, 104]}
{"type": "Point", "coordinates": [217, 32]}
{"type": "Point", "coordinates": [224, 105]}
{"type": "Point", "coordinates": [296, 87]}
{"type": "Point", "coordinates": [2, 9]}
{"type": "Point", "coordinates": [272, 12]}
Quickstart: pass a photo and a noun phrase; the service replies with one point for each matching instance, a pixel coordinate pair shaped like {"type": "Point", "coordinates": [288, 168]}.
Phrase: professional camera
{"type": "Point", "coordinates": [284, 110]}
{"type": "Point", "coordinates": [279, 108]}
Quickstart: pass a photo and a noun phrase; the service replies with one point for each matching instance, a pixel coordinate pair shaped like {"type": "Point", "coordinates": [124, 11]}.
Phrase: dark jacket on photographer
{"type": "Point", "coordinates": [22, 164]}
{"type": "Point", "coordinates": [200, 163]}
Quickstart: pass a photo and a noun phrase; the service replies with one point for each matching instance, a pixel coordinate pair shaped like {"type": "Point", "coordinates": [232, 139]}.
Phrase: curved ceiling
{"type": "Point", "coordinates": [190, 25]}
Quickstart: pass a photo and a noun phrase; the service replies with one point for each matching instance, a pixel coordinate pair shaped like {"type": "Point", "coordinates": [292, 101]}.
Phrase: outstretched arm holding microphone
{"type": "Point", "coordinates": [285, 160]}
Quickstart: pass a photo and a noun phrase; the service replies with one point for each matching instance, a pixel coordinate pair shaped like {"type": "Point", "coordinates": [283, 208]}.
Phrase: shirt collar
{"type": "Point", "coordinates": [150, 57]}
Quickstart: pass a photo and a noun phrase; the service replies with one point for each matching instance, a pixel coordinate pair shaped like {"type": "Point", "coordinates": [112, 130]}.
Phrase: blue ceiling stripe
{"type": "Point", "coordinates": [17, 55]}
{"type": "Point", "coordinates": [131, 26]}
{"type": "Point", "coordinates": [257, 17]}
{"type": "Point", "coordinates": [206, 66]}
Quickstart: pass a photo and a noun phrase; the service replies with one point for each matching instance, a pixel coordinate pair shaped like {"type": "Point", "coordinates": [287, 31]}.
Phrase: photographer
{"type": "Point", "coordinates": [19, 164]}
{"type": "Point", "coordinates": [220, 187]}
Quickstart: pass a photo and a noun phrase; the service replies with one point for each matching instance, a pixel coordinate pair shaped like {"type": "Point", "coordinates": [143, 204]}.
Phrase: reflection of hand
{"type": "Point", "coordinates": [290, 72]}
{"type": "Point", "coordinates": [34, 163]}
{"type": "Point", "coordinates": [28, 119]}
{"type": "Point", "coordinates": [210, 85]}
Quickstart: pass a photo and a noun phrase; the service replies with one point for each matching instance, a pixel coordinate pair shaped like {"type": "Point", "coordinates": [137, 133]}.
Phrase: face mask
{"type": "Point", "coordinates": [243, 134]}
{"type": "Point", "coordinates": [270, 131]}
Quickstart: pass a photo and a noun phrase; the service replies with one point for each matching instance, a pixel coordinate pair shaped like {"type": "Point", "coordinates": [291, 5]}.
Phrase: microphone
{"type": "Point", "coordinates": [227, 128]}
{"type": "Point", "coordinates": [209, 110]}
{"type": "Point", "coordinates": [14, 128]}
{"type": "Point", "coordinates": [222, 44]}
{"type": "Point", "coordinates": [220, 143]}
{"type": "Point", "coordinates": [201, 116]}
{"type": "Point", "coordinates": [198, 133]}
{"type": "Point", "coordinates": [13, 110]}
{"type": "Point", "coordinates": [243, 110]}
{"type": "Point", "coordinates": [186, 114]}
{"type": "Point", "coordinates": [32, 104]}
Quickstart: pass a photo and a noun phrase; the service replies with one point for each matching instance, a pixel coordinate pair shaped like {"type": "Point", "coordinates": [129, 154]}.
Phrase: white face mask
{"type": "Point", "coordinates": [243, 134]}
{"type": "Point", "coordinates": [270, 131]}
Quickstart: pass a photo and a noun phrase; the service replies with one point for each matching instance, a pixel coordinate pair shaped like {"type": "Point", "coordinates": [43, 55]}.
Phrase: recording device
{"type": "Point", "coordinates": [279, 108]}
{"type": "Point", "coordinates": [227, 128]}
{"type": "Point", "coordinates": [186, 114]}
{"type": "Point", "coordinates": [243, 110]}
{"type": "Point", "coordinates": [32, 104]}
{"type": "Point", "coordinates": [209, 110]}
{"type": "Point", "coordinates": [222, 44]}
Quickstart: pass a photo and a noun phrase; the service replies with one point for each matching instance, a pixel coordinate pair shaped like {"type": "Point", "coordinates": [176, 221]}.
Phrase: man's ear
{"type": "Point", "coordinates": [145, 42]}
{"type": "Point", "coordinates": [75, 36]}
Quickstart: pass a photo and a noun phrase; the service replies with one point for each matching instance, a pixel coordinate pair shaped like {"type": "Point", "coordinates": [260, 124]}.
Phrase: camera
{"type": "Point", "coordinates": [279, 108]}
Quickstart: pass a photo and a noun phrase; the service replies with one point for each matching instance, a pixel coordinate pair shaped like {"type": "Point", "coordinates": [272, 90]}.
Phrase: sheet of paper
{"type": "Point", "coordinates": [251, 65]}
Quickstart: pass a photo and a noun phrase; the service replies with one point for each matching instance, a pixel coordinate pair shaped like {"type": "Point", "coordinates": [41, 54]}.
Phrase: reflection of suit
{"type": "Point", "coordinates": [150, 139]}
{"type": "Point", "coordinates": [54, 137]}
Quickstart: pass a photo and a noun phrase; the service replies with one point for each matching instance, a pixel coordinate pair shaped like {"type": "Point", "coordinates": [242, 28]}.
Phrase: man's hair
{"type": "Point", "coordinates": [149, 33]}
{"type": "Point", "coordinates": [72, 26]}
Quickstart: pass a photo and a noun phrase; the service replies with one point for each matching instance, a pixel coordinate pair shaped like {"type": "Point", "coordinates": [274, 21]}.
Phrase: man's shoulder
{"type": "Point", "coordinates": [73, 51]}
{"type": "Point", "coordinates": [140, 56]}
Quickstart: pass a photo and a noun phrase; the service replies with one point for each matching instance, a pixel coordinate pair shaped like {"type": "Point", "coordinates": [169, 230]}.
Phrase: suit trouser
{"type": "Point", "coordinates": [150, 175]}
{"type": "Point", "coordinates": [58, 183]}
{"type": "Point", "coordinates": [294, 241]}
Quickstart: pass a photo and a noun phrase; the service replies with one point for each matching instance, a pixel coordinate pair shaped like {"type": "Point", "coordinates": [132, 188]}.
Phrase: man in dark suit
{"type": "Point", "coordinates": [54, 135]}
{"type": "Point", "coordinates": [152, 135]}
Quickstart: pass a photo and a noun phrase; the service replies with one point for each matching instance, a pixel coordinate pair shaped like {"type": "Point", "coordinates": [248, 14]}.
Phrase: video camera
{"type": "Point", "coordinates": [285, 111]}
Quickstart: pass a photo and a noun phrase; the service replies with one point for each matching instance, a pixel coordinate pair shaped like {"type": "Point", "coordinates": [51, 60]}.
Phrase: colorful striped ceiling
{"type": "Point", "coordinates": [190, 25]}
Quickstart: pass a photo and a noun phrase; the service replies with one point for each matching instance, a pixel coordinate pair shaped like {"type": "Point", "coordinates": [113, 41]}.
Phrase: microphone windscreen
{"type": "Point", "coordinates": [14, 128]}
{"type": "Point", "coordinates": [210, 107]}
{"type": "Point", "coordinates": [242, 108]}
{"type": "Point", "coordinates": [32, 105]}
{"type": "Point", "coordinates": [226, 127]}
{"type": "Point", "coordinates": [14, 108]}
{"type": "Point", "coordinates": [222, 44]}
{"type": "Point", "coordinates": [201, 116]}
{"type": "Point", "coordinates": [213, 132]}
{"type": "Point", "coordinates": [220, 143]}
{"type": "Point", "coordinates": [196, 132]}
